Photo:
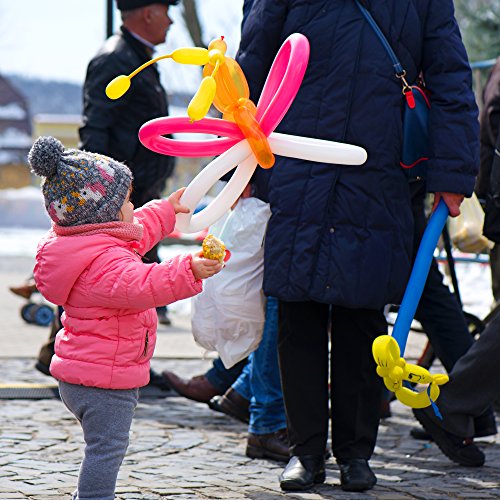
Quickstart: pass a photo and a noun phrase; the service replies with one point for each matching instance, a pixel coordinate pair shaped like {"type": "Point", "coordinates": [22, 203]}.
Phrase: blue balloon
{"type": "Point", "coordinates": [419, 274]}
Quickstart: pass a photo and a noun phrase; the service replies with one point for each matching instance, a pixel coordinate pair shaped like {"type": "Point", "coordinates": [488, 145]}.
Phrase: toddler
{"type": "Point", "coordinates": [90, 263]}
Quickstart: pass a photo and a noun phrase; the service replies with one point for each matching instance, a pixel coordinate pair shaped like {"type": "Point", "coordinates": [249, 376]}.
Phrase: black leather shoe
{"type": "Point", "coordinates": [157, 380]}
{"type": "Point", "coordinates": [42, 367]}
{"type": "Point", "coordinates": [356, 475]}
{"type": "Point", "coordinates": [459, 449]}
{"type": "Point", "coordinates": [303, 472]}
{"type": "Point", "coordinates": [233, 404]}
{"type": "Point", "coordinates": [273, 445]}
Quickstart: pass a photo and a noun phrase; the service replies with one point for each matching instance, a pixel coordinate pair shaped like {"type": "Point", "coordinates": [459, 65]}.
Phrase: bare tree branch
{"type": "Point", "coordinates": [192, 21]}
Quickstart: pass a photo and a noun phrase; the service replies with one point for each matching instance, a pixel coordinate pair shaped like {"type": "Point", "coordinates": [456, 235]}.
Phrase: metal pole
{"type": "Point", "coordinates": [109, 18]}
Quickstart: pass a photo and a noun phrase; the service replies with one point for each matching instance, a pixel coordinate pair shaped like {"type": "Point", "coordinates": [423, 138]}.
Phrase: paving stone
{"type": "Point", "coordinates": [183, 450]}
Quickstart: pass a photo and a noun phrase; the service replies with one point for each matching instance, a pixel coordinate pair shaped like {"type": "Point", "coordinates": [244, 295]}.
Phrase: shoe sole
{"type": "Point", "coordinates": [442, 439]}
{"type": "Point", "coordinates": [254, 452]}
{"type": "Point", "coordinates": [293, 486]}
{"type": "Point", "coordinates": [358, 487]}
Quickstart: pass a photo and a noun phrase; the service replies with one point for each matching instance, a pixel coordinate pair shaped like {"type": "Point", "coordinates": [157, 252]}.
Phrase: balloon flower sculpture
{"type": "Point", "coordinates": [387, 349]}
{"type": "Point", "coordinates": [246, 132]}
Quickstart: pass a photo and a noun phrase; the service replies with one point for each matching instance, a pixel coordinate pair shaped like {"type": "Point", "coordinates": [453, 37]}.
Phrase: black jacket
{"type": "Point", "coordinates": [111, 127]}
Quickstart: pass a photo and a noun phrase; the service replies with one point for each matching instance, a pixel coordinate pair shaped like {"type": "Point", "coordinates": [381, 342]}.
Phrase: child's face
{"type": "Point", "coordinates": [127, 210]}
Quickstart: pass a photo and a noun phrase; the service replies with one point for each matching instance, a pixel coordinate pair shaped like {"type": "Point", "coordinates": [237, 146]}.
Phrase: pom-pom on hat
{"type": "Point", "coordinates": [79, 187]}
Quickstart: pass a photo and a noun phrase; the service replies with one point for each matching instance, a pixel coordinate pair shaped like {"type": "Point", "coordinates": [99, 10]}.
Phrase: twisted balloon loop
{"type": "Point", "coordinates": [240, 144]}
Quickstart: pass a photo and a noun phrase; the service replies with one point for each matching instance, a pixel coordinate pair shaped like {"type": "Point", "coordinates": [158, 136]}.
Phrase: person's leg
{"type": "Point", "coordinates": [441, 316]}
{"type": "Point", "coordinates": [268, 437]}
{"type": "Point", "coordinates": [221, 377]}
{"type": "Point", "coordinates": [47, 350]}
{"type": "Point", "coordinates": [495, 271]}
{"type": "Point", "coordinates": [235, 401]}
{"type": "Point", "coordinates": [242, 384]}
{"type": "Point", "coordinates": [105, 416]}
{"type": "Point", "coordinates": [438, 311]}
{"type": "Point", "coordinates": [442, 320]}
{"type": "Point", "coordinates": [303, 362]}
{"type": "Point", "coordinates": [267, 411]}
{"type": "Point", "coordinates": [355, 386]}
{"type": "Point", "coordinates": [474, 383]}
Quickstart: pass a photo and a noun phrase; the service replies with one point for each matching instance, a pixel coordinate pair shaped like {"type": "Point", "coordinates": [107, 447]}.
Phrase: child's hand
{"type": "Point", "coordinates": [174, 199]}
{"type": "Point", "coordinates": [204, 268]}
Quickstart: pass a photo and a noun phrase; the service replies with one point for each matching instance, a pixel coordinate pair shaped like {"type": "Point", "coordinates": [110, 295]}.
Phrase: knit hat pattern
{"type": "Point", "coordinates": [79, 187]}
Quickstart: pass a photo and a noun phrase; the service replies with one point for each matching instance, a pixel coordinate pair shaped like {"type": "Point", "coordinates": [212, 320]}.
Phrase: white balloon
{"type": "Point", "coordinates": [240, 154]}
{"type": "Point", "coordinates": [305, 148]}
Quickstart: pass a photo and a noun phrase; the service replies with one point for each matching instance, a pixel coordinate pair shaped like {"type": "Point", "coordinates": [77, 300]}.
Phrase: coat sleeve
{"type": "Point", "coordinates": [158, 219]}
{"type": "Point", "coordinates": [119, 280]}
{"type": "Point", "coordinates": [453, 118]}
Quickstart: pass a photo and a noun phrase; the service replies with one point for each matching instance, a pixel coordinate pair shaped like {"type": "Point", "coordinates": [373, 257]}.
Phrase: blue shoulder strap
{"type": "Point", "coordinates": [398, 68]}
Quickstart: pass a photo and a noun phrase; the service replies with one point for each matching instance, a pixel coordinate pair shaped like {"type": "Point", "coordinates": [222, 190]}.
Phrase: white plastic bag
{"type": "Point", "coordinates": [466, 230]}
{"type": "Point", "coordinates": [228, 316]}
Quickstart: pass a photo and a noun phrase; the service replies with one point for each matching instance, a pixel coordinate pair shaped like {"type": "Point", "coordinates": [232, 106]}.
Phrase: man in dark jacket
{"type": "Point", "coordinates": [111, 127]}
{"type": "Point", "coordinates": [339, 242]}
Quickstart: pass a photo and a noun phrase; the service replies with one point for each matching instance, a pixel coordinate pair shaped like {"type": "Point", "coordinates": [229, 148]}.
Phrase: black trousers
{"type": "Point", "coordinates": [355, 388]}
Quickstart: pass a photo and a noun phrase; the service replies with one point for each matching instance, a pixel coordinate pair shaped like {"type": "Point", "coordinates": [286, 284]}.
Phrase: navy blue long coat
{"type": "Point", "coordinates": [343, 234]}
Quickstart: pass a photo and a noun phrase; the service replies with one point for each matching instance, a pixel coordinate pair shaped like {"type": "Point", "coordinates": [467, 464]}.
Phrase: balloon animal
{"type": "Point", "coordinates": [386, 349]}
{"type": "Point", "coordinates": [233, 145]}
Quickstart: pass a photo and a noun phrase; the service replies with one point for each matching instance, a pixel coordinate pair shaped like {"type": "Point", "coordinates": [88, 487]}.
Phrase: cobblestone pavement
{"type": "Point", "coordinates": [183, 450]}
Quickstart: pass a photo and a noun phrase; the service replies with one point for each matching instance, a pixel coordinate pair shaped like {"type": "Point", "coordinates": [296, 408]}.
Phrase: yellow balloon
{"type": "Point", "coordinates": [202, 100]}
{"type": "Point", "coordinates": [117, 87]}
{"type": "Point", "coordinates": [218, 44]}
{"type": "Point", "coordinates": [394, 370]}
{"type": "Point", "coordinates": [190, 55]}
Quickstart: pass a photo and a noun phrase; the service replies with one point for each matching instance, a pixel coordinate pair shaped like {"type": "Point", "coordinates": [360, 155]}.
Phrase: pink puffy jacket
{"type": "Point", "coordinates": [109, 295]}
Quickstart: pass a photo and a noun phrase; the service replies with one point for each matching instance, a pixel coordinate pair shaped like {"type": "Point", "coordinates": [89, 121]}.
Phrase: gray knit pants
{"type": "Point", "coordinates": [105, 416]}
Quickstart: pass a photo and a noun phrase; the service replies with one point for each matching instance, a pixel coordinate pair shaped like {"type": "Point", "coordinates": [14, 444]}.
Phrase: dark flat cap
{"type": "Point", "coordinates": [135, 4]}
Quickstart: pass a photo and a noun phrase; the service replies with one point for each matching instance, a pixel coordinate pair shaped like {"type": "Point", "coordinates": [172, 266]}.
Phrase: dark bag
{"type": "Point", "coordinates": [414, 149]}
{"type": "Point", "coordinates": [415, 131]}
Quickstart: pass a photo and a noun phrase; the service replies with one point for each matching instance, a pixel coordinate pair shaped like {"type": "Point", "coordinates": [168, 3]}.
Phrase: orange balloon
{"type": "Point", "coordinates": [244, 116]}
{"type": "Point", "coordinates": [231, 83]}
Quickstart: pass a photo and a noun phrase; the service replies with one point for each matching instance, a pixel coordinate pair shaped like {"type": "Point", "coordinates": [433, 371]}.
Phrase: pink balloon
{"type": "Point", "coordinates": [281, 87]}
{"type": "Point", "coordinates": [283, 82]}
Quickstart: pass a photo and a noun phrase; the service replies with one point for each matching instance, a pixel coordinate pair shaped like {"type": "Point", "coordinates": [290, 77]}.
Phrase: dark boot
{"type": "Point", "coordinates": [196, 388]}
{"type": "Point", "coordinates": [356, 475]}
{"type": "Point", "coordinates": [303, 472]}
{"type": "Point", "coordinates": [47, 350]}
{"type": "Point", "coordinates": [273, 445]}
{"type": "Point", "coordinates": [233, 404]}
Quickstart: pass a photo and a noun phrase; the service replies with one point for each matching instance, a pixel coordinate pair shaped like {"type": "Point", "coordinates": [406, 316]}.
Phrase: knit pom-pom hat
{"type": "Point", "coordinates": [79, 187]}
